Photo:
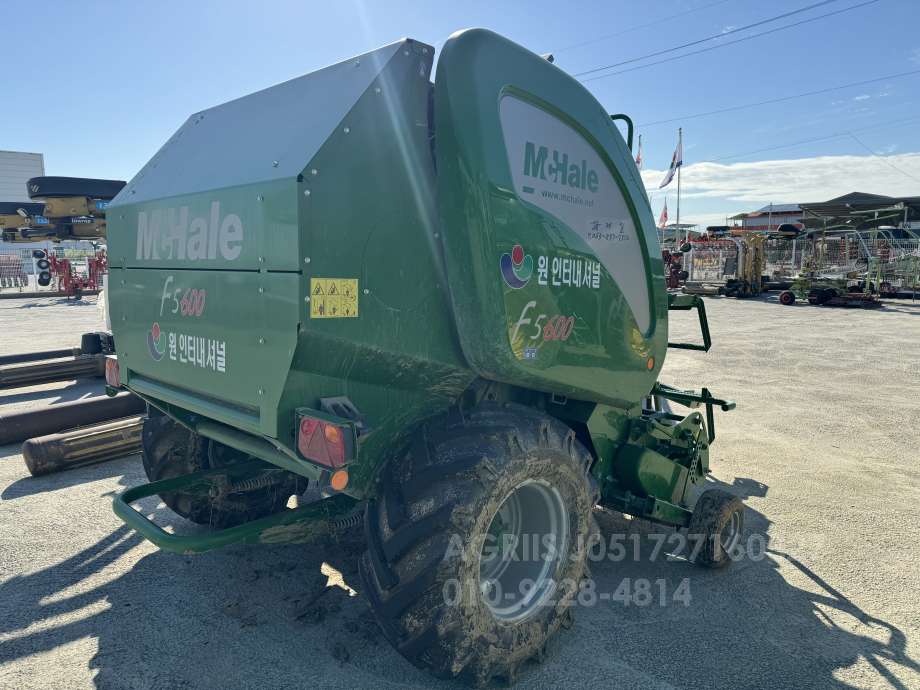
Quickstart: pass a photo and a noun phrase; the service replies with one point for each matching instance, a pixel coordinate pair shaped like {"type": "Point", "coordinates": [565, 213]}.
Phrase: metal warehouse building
{"type": "Point", "coordinates": [15, 168]}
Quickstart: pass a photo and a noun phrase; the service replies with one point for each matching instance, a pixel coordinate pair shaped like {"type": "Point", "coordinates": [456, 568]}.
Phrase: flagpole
{"type": "Point", "coordinates": [680, 140]}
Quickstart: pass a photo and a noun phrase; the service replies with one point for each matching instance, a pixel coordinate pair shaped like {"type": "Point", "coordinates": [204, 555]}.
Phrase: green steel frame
{"type": "Point", "coordinates": [297, 525]}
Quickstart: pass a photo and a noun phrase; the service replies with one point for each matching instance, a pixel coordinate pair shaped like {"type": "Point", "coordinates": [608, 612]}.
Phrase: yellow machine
{"type": "Point", "coordinates": [63, 208]}
{"type": "Point", "coordinates": [732, 266]}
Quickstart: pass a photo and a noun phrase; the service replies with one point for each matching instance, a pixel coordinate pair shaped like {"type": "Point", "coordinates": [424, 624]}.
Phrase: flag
{"type": "Point", "coordinates": [663, 218]}
{"type": "Point", "coordinates": [676, 161]}
{"type": "Point", "coordinates": [639, 154]}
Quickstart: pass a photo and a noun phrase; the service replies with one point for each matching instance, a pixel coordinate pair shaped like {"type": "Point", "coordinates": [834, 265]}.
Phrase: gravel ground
{"type": "Point", "coordinates": [823, 447]}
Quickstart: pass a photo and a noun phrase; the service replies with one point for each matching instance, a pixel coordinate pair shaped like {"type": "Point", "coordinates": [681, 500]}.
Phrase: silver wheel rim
{"type": "Point", "coordinates": [527, 537]}
{"type": "Point", "coordinates": [731, 532]}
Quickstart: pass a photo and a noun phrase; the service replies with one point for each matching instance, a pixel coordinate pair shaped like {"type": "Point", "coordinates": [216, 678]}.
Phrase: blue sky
{"type": "Point", "coordinates": [99, 86]}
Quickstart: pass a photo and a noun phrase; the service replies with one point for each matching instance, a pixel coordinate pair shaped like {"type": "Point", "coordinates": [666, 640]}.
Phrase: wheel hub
{"type": "Point", "coordinates": [526, 539]}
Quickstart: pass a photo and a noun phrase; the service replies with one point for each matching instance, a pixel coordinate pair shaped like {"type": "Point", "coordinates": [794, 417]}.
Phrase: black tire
{"type": "Point", "coordinates": [171, 450]}
{"type": "Point", "coordinates": [787, 297]}
{"type": "Point", "coordinates": [43, 264]}
{"type": "Point", "coordinates": [44, 279]}
{"type": "Point", "coordinates": [90, 344]}
{"type": "Point", "coordinates": [716, 511]}
{"type": "Point", "coordinates": [427, 529]}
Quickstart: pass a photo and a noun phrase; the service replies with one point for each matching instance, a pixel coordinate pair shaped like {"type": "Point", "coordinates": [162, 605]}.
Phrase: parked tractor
{"type": "Point", "coordinates": [443, 305]}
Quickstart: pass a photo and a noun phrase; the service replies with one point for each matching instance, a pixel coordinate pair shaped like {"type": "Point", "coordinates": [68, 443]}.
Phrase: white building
{"type": "Point", "coordinates": [15, 168]}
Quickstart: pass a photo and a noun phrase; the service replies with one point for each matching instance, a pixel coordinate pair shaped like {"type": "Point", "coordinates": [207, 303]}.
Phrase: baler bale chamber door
{"type": "Point", "coordinates": [551, 248]}
{"type": "Point", "coordinates": [215, 243]}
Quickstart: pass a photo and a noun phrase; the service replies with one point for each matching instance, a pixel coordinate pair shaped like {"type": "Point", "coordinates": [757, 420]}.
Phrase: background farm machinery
{"type": "Point", "coordinates": [836, 266]}
{"type": "Point", "coordinates": [733, 266]}
{"type": "Point", "coordinates": [674, 272]}
{"type": "Point", "coordinates": [71, 282]}
{"type": "Point", "coordinates": [62, 208]}
{"type": "Point", "coordinates": [53, 271]}
{"type": "Point", "coordinates": [857, 250]}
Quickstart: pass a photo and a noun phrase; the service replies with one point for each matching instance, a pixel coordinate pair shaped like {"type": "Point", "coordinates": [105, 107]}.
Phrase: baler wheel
{"type": "Point", "coordinates": [445, 594]}
{"type": "Point", "coordinates": [716, 527]}
{"type": "Point", "coordinates": [787, 297]}
{"type": "Point", "coordinates": [171, 450]}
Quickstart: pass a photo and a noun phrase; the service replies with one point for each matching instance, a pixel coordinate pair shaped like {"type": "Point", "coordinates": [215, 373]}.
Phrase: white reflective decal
{"type": "Point", "coordinates": [554, 168]}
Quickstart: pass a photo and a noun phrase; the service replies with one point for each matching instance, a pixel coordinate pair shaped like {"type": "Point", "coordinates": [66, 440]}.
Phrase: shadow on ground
{"type": "Point", "coordinates": [75, 390]}
{"type": "Point", "coordinates": [278, 616]}
{"type": "Point", "coordinates": [53, 302]}
{"type": "Point", "coordinates": [30, 486]}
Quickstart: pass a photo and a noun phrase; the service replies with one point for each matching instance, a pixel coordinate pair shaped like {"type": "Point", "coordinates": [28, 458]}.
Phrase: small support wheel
{"type": "Point", "coordinates": [715, 528]}
{"type": "Point", "coordinates": [787, 297]}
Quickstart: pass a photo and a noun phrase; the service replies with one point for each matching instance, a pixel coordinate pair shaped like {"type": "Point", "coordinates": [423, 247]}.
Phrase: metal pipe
{"type": "Point", "coordinates": [82, 367]}
{"type": "Point", "coordinates": [257, 447]}
{"type": "Point", "coordinates": [83, 446]}
{"type": "Point", "coordinates": [19, 426]}
{"type": "Point", "coordinates": [38, 356]}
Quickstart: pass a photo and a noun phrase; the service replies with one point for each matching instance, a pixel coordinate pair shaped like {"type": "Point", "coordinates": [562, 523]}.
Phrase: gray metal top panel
{"type": "Point", "coordinates": [268, 135]}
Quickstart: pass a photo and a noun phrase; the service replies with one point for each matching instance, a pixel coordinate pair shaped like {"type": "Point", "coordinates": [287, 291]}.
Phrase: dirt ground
{"type": "Point", "coordinates": [823, 447]}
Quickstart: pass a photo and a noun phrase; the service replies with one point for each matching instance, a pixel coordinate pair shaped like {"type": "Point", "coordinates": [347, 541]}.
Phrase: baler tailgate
{"type": "Point", "coordinates": [205, 340]}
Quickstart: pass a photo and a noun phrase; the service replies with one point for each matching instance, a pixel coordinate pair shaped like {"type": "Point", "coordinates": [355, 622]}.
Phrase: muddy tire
{"type": "Point", "coordinates": [445, 593]}
{"type": "Point", "coordinates": [171, 450]}
{"type": "Point", "coordinates": [715, 528]}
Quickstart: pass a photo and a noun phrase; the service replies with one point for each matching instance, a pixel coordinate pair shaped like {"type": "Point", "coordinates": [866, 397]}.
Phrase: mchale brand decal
{"type": "Point", "coordinates": [560, 171]}
{"type": "Point", "coordinates": [170, 234]}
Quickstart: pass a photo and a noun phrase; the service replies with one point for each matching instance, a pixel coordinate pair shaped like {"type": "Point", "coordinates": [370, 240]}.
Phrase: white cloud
{"type": "Point", "coordinates": [862, 97]}
{"type": "Point", "coordinates": [791, 181]}
{"type": "Point", "coordinates": [915, 55]}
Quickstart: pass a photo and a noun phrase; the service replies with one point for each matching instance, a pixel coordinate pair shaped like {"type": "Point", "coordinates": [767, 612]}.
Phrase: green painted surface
{"type": "Point", "coordinates": [362, 208]}
{"type": "Point", "coordinates": [409, 216]}
{"type": "Point", "coordinates": [485, 215]}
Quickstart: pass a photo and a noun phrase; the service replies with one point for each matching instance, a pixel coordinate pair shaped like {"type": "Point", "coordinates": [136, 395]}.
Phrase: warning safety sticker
{"type": "Point", "coordinates": [333, 298]}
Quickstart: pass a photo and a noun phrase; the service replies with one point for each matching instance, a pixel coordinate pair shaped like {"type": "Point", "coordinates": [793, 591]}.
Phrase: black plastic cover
{"type": "Point", "coordinates": [73, 186]}
{"type": "Point", "coordinates": [8, 208]}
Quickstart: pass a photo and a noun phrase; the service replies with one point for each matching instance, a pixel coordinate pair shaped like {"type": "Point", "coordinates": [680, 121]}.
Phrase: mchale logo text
{"type": "Point", "coordinates": [560, 170]}
{"type": "Point", "coordinates": [170, 234]}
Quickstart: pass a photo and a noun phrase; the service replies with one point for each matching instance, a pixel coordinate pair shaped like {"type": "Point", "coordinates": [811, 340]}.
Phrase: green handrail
{"type": "Point", "coordinates": [629, 127]}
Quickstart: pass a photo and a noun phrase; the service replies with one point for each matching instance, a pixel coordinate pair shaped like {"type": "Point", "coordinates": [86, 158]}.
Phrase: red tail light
{"type": "Point", "coordinates": [323, 442]}
{"type": "Point", "coordinates": [112, 373]}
